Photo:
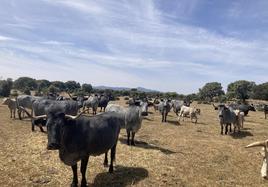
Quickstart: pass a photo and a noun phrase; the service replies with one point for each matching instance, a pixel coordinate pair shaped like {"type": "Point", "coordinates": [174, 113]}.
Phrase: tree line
{"type": "Point", "coordinates": [212, 91]}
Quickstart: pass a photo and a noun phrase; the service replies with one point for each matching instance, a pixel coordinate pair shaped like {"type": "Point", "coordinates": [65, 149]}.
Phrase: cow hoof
{"type": "Point", "coordinates": [111, 170]}
{"type": "Point", "coordinates": [132, 143]}
{"type": "Point", "coordinates": [74, 185]}
{"type": "Point", "coordinates": [105, 164]}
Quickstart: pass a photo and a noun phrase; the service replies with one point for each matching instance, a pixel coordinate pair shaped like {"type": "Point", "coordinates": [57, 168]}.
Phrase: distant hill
{"type": "Point", "coordinates": [141, 89]}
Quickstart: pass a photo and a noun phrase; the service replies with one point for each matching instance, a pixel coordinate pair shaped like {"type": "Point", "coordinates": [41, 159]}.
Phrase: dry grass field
{"type": "Point", "coordinates": [166, 154]}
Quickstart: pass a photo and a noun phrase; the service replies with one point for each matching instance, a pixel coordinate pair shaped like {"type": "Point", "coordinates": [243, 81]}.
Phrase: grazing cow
{"type": "Point", "coordinates": [264, 154]}
{"type": "Point", "coordinates": [12, 105]}
{"type": "Point", "coordinates": [188, 111]}
{"type": "Point", "coordinates": [92, 102]}
{"type": "Point", "coordinates": [265, 110]}
{"type": "Point", "coordinates": [164, 108]}
{"type": "Point", "coordinates": [103, 102]}
{"type": "Point", "coordinates": [78, 137]}
{"type": "Point", "coordinates": [132, 115]}
{"type": "Point", "coordinates": [227, 117]}
{"type": "Point", "coordinates": [243, 108]}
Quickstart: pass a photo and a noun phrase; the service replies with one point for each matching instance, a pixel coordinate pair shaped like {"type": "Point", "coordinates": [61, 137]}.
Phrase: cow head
{"type": "Point", "coordinates": [251, 108]}
{"type": "Point", "coordinates": [144, 108]}
{"type": "Point", "coordinates": [222, 110]}
{"type": "Point", "coordinates": [55, 124]}
{"type": "Point", "coordinates": [55, 121]}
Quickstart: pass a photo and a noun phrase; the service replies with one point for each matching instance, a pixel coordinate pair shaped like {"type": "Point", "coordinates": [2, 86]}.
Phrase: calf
{"type": "Point", "coordinates": [192, 112]}
{"type": "Point", "coordinates": [164, 108]}
{"type": "Point", "coordinates": [12, 105]}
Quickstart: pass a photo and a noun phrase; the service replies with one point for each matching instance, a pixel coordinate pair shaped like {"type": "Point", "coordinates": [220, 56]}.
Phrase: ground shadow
{"type": "Point", "coordinates": [145, 145]}
{"type": "Point", "coordinates": [122, 176]}
{"type": "Point", "coordinates": [241, 134]}
{"type": "Point", "coordinates": [176, 123]}
{"type": "Point", "coordinates": [148, 119]}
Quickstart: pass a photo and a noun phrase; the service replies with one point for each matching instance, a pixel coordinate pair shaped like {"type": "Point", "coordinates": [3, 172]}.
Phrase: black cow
{"type": "Point", "coordinates": [103, 102]}
{"type": "Point", "coordinates": [243, 108]}
{"type": "Point", "coordinates": [78, 137]}
{"type": "Point", "coordinates": [265, 109]}
{"type": "Point", "coordinates": [43, 107]}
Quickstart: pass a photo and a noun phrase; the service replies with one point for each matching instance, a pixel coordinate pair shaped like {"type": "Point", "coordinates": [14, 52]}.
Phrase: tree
{"type": "Point", "coordinates": [52, 89]}
{"type": "Point", "coordinates": [5, 87]}
{"type": "Point", "coordinates": [87, 88]}
{"type": "Point", "coordinates": [241, 89]}
{"type": "Point", "coordinates": [23, 83]}
{"type": "Point", "coordinates": [210, 90]}
{"type": "Point", "coordinates": [260, 91]}
{"type": "Point", "coordinates": [71, 86]}
{"type": "Point", "coordinates": [60, 85]}
{"type": "Point", "coordinates": [42, 85]}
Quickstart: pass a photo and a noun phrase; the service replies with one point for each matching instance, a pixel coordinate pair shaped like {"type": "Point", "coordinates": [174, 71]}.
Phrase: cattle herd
{"type": "Point", "coordinates": [78, 136]}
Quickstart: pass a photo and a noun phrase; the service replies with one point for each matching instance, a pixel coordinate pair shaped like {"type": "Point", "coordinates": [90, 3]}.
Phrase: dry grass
{"type": "Point", "coordinates": [166, 155]}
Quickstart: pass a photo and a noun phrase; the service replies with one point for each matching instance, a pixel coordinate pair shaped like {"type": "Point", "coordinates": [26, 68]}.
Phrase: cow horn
{"type": "Point", "coordinates": [30, 116]}
{"type": "Point", "coordinates": [77, 116]}
{"type": "Point", "coordinates": [256, 144]}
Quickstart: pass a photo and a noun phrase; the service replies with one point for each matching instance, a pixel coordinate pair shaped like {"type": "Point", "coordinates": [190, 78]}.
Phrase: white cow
{"type": "Point", "coordinates": [188, 111]}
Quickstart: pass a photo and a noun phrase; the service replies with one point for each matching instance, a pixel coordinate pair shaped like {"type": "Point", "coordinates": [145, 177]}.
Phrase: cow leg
{"type": "Point", "coordinates": [113, 151]}
{"type": "Point", "coordinates": [221, 128]}
{"type": "Point", "coordinates": [226, 128]}
{"type": "Point", "coordinates": [10, 113]}
{"type": "Point", "coordinates": [14, 113]}
{"type": "Point", "coordinates": [105, 163]}
{"type": "Point", "coordinates": [230, 127]}
{"type": "Point", "coordinates": [19, 113]}
{"type": "Point", "coordinates": [128, 136]}
{"type": "Point", "coordinates": [166, 117]}
{"type": "Point", "coordinates": [83, 170]}
{"type": "Point", "coordinates": [132, 139]}
{"type": "Point", "coordinates": [75, 179]}
{"type": "Point", "coordinates": [41, 128]}
{"type": "Point", "coordinates": [33, 124]}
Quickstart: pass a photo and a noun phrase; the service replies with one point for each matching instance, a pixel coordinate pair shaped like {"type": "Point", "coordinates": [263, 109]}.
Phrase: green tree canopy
{"type": "Point", "coordinates": [210, 90]}
{"type": "Point", "coordinates": [71, 86]}
{"type": "Point", "coordinates": [260, 91]}
{"type": "Point", "coordinates": [24, 83]}
{"type": "Point", "coordinates": [87, 88]}
{"type": "Point", "coordinates": [59, 84]}
{"type": "Point", "coordinates": [241, 89]}
{"type": "Point", "coordinates": [5, 87]}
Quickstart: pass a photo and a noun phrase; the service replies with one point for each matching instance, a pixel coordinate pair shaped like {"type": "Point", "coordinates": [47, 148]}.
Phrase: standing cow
{"type": "Point", "coordinates": [164, 107]}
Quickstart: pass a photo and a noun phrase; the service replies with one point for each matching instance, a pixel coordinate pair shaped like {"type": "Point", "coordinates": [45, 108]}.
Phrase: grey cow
{"type": "Point", "coordinates": [12, 105]}
{"type": "Point", "coordinates": [92, 102]}
{"type": "Point", "coordinates": [227, 117]}
{"type": "Point", "coordinates": [132, 115]}
{"type": "Point", "coordinates": [164, 108]}
{"type": "Point", "coordinates": [25, 101]}
{"type": "Point", "coordinates": [44, 106]}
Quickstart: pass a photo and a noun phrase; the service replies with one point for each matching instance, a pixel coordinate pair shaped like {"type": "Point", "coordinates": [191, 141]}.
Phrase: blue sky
{"type": "Point", "coordinates": [167, 45]}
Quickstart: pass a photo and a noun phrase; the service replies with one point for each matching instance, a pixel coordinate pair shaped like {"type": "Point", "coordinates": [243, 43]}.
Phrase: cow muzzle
{"type": "Point", "coordinates": [53, 146]}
